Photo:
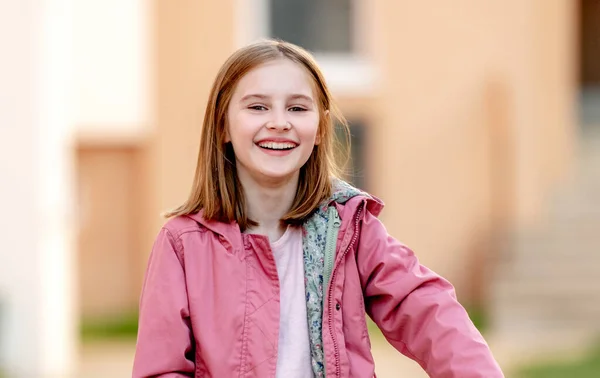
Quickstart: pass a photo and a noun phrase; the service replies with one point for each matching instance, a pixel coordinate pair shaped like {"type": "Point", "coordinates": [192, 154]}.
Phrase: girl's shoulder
{"type": "Point", "coordinates": [184, 223]}
{"type": "Point", "coordinates": [214, 231]}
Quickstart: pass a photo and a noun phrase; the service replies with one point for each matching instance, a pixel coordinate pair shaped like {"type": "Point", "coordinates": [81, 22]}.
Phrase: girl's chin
{"type": "Point", "coordinates": [275, 176]}
{"type": "Point", "coordinates": [283, 176]}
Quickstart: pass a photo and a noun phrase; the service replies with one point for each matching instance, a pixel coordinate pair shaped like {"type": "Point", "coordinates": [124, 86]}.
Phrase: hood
{"type": "Point", "coordinates": [343, 192]}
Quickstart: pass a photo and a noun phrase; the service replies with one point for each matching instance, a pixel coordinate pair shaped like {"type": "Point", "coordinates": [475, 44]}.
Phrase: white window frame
{"type": "Point", "coordinates": [346, 74]}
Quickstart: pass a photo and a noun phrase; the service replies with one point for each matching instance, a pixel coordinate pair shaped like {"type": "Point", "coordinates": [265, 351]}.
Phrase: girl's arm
{"type": "Point", "coordinates": [417, 310]}
{"type": "Point", "coordinates": [165, 341]}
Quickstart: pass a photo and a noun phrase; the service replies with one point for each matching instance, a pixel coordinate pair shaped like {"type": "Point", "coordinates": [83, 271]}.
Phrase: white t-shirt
{"type": "Point", "coordinates": [293, 360]}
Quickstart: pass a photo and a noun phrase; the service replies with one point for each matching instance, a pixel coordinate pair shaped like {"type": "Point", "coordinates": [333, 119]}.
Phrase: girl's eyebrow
{"type": "Point", "coordinates": [256, 96]}
{"type": "Point", "coordinates": [301, 97]}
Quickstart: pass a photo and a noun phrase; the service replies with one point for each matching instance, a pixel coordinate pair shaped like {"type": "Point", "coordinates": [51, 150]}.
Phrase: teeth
{"type": "Point", "coordinates": [277, 146]}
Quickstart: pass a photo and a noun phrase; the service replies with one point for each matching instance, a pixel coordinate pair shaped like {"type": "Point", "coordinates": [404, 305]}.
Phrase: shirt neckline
{"type": "Point", "coordinates": [283, 238]}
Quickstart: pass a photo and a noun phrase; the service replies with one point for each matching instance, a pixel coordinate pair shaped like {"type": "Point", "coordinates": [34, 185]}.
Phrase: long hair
{"type": "Point", "coordinates": [216, 189]}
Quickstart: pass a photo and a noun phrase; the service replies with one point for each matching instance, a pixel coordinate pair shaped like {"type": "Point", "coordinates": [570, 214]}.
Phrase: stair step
{"type": "Point", "coordinates": [586, 286]}
{"type": "Point", "coordinates": [549, 277]}
{"type": "Point", "coordinates": [550, 270]}
{"type": "Point", "coordinates": [528, 322]}
{"type": "Point", "coordinates": [560, 252]}
{"type": "Point", "coordinates": [568, 312]}
{"type": "Point", "coordinates": [567, 315]}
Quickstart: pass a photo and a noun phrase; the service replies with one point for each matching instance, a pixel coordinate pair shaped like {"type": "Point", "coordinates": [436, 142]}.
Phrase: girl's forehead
{"type": "Point", "coordinates": [281, 76]}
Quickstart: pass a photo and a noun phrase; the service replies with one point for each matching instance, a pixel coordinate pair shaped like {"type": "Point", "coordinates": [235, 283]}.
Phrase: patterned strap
{"type": "Point", "coordinates": [314, 241]}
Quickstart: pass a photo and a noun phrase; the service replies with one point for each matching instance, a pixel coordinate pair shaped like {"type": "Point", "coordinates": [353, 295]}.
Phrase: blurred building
{"type": "Point", "coordinates": [463, 118]}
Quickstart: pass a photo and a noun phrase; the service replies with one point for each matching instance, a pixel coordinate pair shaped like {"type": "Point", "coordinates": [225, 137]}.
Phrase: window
{"type": "Point", "coordinates": [317, 25]}
{"type": "Point", "coordinates": [337, 32]}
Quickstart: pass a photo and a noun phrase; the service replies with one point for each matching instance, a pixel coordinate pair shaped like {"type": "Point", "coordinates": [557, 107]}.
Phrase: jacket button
{"type": "Point", "coordinates": [337, 306]}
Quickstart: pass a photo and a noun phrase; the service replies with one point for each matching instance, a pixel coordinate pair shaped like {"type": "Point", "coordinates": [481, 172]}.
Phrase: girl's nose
{"type": "Point", "coordinates": [283, 125]}
{"type": "Point", "coordinates": [279, 123]}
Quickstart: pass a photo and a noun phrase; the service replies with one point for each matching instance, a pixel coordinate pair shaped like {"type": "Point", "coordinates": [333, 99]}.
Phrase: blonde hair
{"type": "Point", "coordinates": [216, 189]}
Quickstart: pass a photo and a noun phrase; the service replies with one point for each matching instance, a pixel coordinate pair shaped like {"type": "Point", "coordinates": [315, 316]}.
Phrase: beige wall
{"type": "Point", "coordinates": [192, 40]}
{"type": "Point", "coordinates": [109, 186]}
{"type": "Point", "coordinates": [456, 77]}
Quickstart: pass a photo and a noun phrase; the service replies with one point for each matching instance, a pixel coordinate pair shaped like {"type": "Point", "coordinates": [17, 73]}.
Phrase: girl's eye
{"type": "Point", "coordinates": [297, 109]}
{"type": "Point", "coordinates": [257, 107]}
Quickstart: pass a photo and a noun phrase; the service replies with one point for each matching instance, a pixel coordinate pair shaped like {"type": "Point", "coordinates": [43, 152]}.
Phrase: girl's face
{"type": "Point", "coordinates": [273, 121]}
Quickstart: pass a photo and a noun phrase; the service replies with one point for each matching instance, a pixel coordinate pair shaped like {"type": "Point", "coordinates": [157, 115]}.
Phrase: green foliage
{"type": "Point", "coordinates": [587, 367]}
{"type": "Point", "coordinates": [374, 331]}
{"type": "Point", "coordinates": [122, 326]}
{"type": "Point", "coordinates": [478, 316]}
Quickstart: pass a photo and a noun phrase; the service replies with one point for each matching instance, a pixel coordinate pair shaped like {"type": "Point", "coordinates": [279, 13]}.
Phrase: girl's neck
{"type": "Point", "coordinates": [267, 203]}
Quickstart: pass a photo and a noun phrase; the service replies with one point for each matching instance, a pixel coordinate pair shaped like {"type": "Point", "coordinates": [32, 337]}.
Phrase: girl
{"type": "Point", "coordinates": [268, 268]}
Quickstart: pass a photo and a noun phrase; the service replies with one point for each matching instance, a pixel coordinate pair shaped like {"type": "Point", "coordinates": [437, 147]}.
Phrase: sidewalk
{"type": "Point", "coordinates": [106, 359]}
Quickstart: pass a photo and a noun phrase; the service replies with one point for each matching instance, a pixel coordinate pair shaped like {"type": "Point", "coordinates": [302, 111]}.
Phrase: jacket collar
{"type": "Point", "coordinates": [342, 194]}
{"type": "Point", "coordinates": [229, 231]}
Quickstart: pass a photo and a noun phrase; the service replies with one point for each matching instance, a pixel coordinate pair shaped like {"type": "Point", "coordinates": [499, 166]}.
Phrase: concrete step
{"type": "Point", "coordinates": [530, 321]}
{"type": "Point", "coordinates": [540, 318]}
{"type": "Point", "coordinates": [549, 277]}
{"type": "Point", "coordinates": [535, 310]}
{"type": "Point", "coordinates": [551, 270]}
{"type": "Point", "coordinates": [538, 289]}
{"type": "Point", "coordinates": [563, 250]}
{"type": "Point", "coordinates": [547, 296]}
{"type": "Point", "coordinates": [559, 309]}
{"type": "Point", "coordinates": [575, 203]}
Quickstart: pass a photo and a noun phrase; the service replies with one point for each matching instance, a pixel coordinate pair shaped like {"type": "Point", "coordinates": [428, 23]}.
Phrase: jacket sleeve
{"type": "Point", "coordinates": [165, 341]}
{"type": "Point", "coordinates": [417, 310]}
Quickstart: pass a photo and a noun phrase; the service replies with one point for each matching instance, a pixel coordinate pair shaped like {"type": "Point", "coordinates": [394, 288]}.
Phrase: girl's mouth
{"type": "Point", "coordinates": [277, 146]}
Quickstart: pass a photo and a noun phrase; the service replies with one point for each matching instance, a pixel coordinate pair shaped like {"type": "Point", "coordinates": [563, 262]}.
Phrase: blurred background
{"type": "Point", "coordinates": [477, 122]}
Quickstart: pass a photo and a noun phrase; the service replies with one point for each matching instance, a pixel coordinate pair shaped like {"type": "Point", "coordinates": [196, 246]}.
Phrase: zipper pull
{"type": "Point", "coordinates": [336, 217]}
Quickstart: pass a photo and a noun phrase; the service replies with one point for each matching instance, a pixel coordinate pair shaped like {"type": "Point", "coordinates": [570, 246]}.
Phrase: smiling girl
{"type": "Point", "coordinates": [269, 267]}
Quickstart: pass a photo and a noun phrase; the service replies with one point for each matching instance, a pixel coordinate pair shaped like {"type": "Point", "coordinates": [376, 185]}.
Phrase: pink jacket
{"type": "Point", "coordinates": [210, 304]}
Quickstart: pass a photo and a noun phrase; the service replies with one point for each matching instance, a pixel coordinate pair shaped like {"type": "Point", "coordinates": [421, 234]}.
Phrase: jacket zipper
{"type": "Point", "coordinates": [333, 229]}
{"type": "Point", "coordinates": [329, 292]}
